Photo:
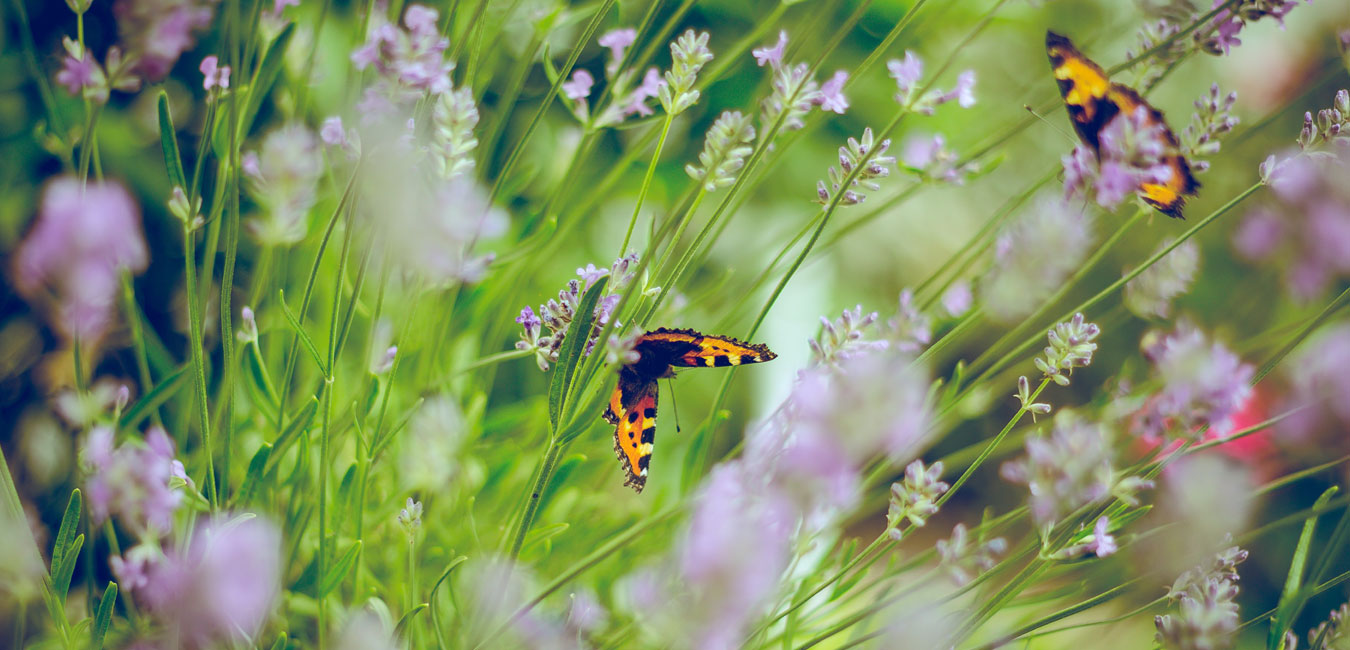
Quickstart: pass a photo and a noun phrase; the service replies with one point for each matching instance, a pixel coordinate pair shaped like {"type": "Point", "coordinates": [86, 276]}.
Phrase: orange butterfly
{"type": "Point", "coordinates": [1093, 100]}
{"type": "Point", "coordinates": [632, 407]}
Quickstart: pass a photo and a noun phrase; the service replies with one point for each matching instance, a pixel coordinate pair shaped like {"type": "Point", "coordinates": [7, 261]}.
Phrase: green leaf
{"type": "Point", "coordinates": [61, 576]}
{"type": "Point", "coordinates": [545, 533]}
{"type": "Point", "coordinates": [165, 389]}
{"type": "Point", "coordinates": [344, 492]}
{"type": "Point", "coordinates": [267, 75]}
{"type": "Point", "coordinates": [256, 473]}
{"type": "Point", "coordinates": [338, 572]}
{"type": "Point", "coordinates": [259, 386]}
{"type": "Point", "coordinates": [431, 598]}
{"type": "Point", "coordinates": [1292, 599]}
{"type": "Point", "coordinates": [570, 354]}
{"type": "Point", "coordinates": [103, 618]}
{"type": "Point", "coordinates": [407, 618]}
{"type": "Point", "coordinates": [298, 422]}
{"type": "Point", "coordinates": [280, 643]}
{"type": "Point", "coordinates": [168, 142]}
{"type": "Point", "coordinates": [65, 535]}
{"type": "Point", "coordinates": [300, 331]}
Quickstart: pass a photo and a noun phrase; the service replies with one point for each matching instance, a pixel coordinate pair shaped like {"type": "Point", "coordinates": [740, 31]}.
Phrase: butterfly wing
{"type": "Point", "coordinates": [690, 349]}
{"type": "Point", "coordinates": [632, 411]}
{"type": "Point", "coordinates": [1084, 86]}
{"type": "Point", "coordinates": [1169, 197]}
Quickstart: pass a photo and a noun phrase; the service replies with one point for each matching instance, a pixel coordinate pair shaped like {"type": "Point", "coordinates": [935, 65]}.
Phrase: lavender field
{"type": "Point", "coordinates": [675, 324]}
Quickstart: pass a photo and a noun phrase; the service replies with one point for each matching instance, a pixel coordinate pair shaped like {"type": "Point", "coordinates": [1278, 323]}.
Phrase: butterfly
{"type": "Point", "coordinates": [1093, 100]}
{"type": "Point", "coordinates": [632, 407]}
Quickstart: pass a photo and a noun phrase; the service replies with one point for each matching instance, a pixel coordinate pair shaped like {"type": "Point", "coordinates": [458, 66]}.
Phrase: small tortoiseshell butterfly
{"type": "Point", "coordinates": [1093, 100]}
{"type": "Point", "coordinates": [632, 408]}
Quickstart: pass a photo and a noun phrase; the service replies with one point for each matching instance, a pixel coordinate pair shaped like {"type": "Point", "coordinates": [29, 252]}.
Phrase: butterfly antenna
{"type": "Point", "coordinates": [1050, 124]}
{"type": "Point", "coordinates": [670, 386]}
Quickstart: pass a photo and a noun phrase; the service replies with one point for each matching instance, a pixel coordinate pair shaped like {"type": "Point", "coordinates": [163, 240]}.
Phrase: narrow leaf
{"type": "Point", "coordinates": [165, 389]}
{"type": "Point", "coordinates": [280, 643]}
{"type": "Point", "coordinates": [297, 423]}
{"type": "Point", "coordinates": [339, 571]}
{"type": "Point", "coordinates": [65, 535]}
{"type": "Point", "coordinates": [407, 618]}
{"type": "Point", "coordinates": [168, 142]}
{"type": "Point", "coordinates": [1291, 600]}
{"type": "Point", "coordinates": [569, 355]}
{"type": "Point", "coordinates": [545, 533]}
{"type": "Point", "coordinates": [256, 473]}
{"type": "Point", "coordinates": [61, 575]}
{"type": "Point", "coordinates": [103, 618]}
{"type": "Point", "coordinates": [267, 75]}
{"type": "Point", "coordinates": [300, 331]}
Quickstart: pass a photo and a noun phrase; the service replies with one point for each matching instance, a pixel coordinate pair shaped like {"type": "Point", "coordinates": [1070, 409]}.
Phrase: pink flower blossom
{"type": "Point", "coordinates": [157, 32]}
{"type": "Point", "coordinates": [82, 241]}
{"type": "Point", "coordinates": [214, 76]}
{"type": "Point", "coordinates": [131, 482]}
{"type": "Point", "coordinates": [773, 56]}
{"type": "Point", "coordinates": [579, 88]}
{"type": "Point", "coordinates": [832, 94]}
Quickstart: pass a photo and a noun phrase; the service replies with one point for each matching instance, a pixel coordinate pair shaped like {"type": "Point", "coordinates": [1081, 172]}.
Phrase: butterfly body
{"type": "Point", "coordinates": [1093, 100]}
{"type": "Point", "coordinates": [632, 407]}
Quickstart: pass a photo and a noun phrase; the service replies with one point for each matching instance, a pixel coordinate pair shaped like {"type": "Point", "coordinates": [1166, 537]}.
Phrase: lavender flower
{"type": "Point", "coordinates": [1099, 543]}
{"type": "Point", "coordinates": [794, 93]}
{"type": "Point", "coordinates": [157, 32]}
{"type": "Point", "coordinates": [909, 71]}
{"type": "Point", "coordinates": [1032, 258]}
{"type": "Point", "coordinates": [1212, 118]}
{"type": "Point", "coordinates": [1150, 293]}
{"type": "Point", "coordinates": [1070, 467]}
{"type": "Point", "coordinates": [957, 299]}
{"type": "Point", "coordinates": [636, 102]}
{"type": "Point", "coordinates": [689, 53]}
{"type": "Point", "coordinates": [1319, 380]}
{"type": "Point", "coordinates": [724, 151]}
{"type": "Point", "coordinates": [410, 518]}
{"type": "Point", "coordinates": [1028, 404]}
{"type": "Point", "coordinates": [617, 40]}
{"type": "Point", "coordinates": [285, 185]}
{"type": "Point", "coordinates": [854, 155]}
{"type": "Point", "coordinates": [929, 159]}
{"type": "Point", "coordinates": [1331, 634]}
{"type": "Point", "coordinates": [731, 557]}
{"type": "Point", "coordinates": [557, 315]}
{"type": "Point", "coordinates": [1132, 149]}
{"type": "Point", "coordinates": [1329, 125]}
{"type": "Point", "coordinates": [1307, 227]}
{"type": "Point", "coordinates": [1203, 385]}
{"type": "Point", "coordinates": [965, 558]}
{"type": "Point", "coordinates": [131, 481]}
{"type": "Point", "coordinates": [844, 338]}
{"type": "Point", "coordinates": [453, 141]}
{"type": "Point", "coordinates": [84, 238]}
{"type": "Point", "coordinates": [408, 59]}
{"type": "Point", "coordinates": [1230, 22]}
{"type": "Point", "coordinates": [1071, 346]}
{"type": "Point", "coordinates": [915, 498]}
{"type": "Point", "coordinates": [910, 329]}
{"type": "Point", "coordinates": [579, 88]}
{"type": "Point", "coordinates": [832, 94]}
{"type": "Point", "coordinates": [214, 75]}
{"type": "Point", "coordinates": [81, 75]}
{"type": "Point", "coordinates": [772, 56]}
{"type": "Point", "coordinates": [1208, 616]}
{"type": "Point", "coordinates": [220, 588]}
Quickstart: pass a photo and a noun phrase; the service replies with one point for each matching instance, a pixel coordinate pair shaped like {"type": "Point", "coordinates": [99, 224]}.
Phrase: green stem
{"type": "Point", "coordinates": [198, 363]}
{"type": "Point", "coordinates": [646, 182]}
{"type": "Point", "coordinates": [989, 449]}
{"type": "Point", "coordinates": [546, 468]}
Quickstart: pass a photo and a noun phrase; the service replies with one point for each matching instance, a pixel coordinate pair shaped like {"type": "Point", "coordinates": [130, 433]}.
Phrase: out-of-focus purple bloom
{"type": "Point", "coordinates": [773, 56]}
{"type": "Point", "coordinates": [83, 239]}
{"type": "Point", "coordinates": [911, 329]}
{"type": "Point", "coordinates": [929, 158]}
{"type": "Point", "coordinates": [214, 75]}
{"type": "Point", "coordinates": [1070, 467]}
{"type": "Point", "coordinates": [832, 94]}
{"type": "Point", "coordinates": [1229, 22]}
{"type": "Point", "coordinates": [732, 556]}
{"type": "Point", "coordinates": [81, 74]}
{"type": "Point", "coordinates": [907, 72]}
{"type": "Point", "coordinates": [1103, 544]}
{"type": "Point", "coordinates": [1320, 377]}
{"type": "Point", "coordinates": [332, 132]}
{"type": "Point", "coordinates": [157, 32]}
{"type": "Point", "coordinates": [223, 584]}
{"type": "Point", "coordinates": [284, 183]}
{"type": "Point", "coordinates": [131, 481]}
{"type": "Point", "coordinates": [1032, 258]}
{"type": "Point", "coordinates": [1308, 228]}
{"type": "Point", "coordinates": [964, 91]}
{"type": "Point", "coordinates": [617, 40]}
{"type": "Point", "coordinates": [1150, 294]}
{"type": "Point", "coordinates": [958, 299]}
{"type": "Point", "coordinates": [82, 409]}
{"type": "Point", "coordinates": [279, 5]}
{"type": "Point", "coordinates": [1203, 385]}
{"type": "Point", "coordinates": [966, 558]}
{"type": "Point", "coordinates": [579, 88]}
{"type": "Point", "coordinates": [1332, 633]}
